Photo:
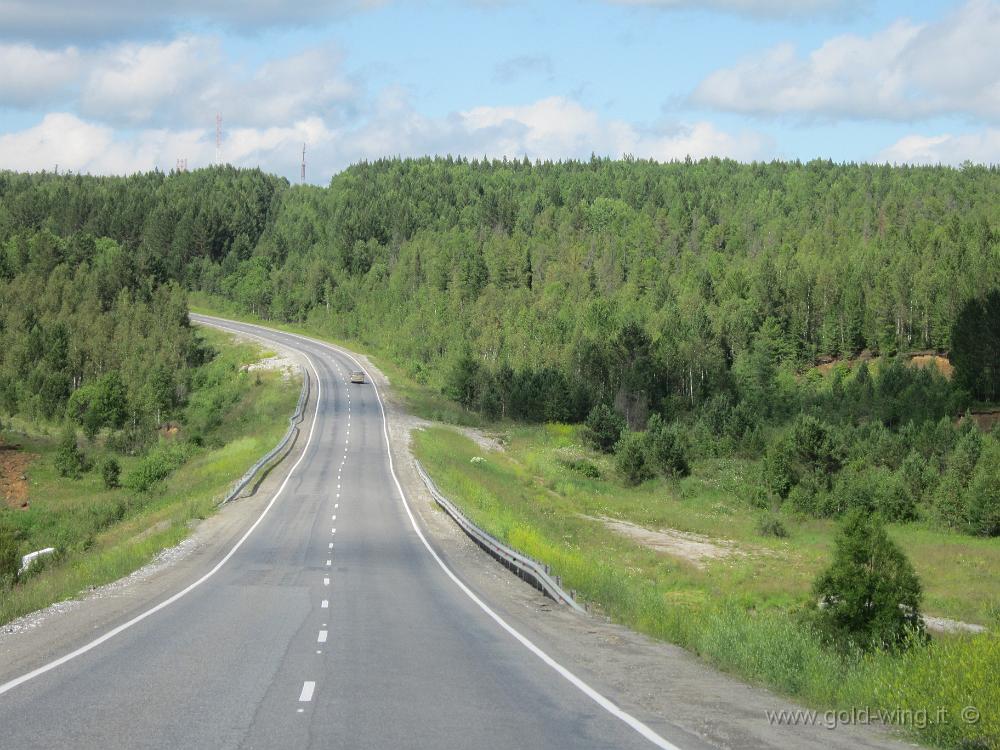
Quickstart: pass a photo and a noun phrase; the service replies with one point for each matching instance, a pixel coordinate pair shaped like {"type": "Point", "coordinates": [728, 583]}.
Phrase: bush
{"type": "Point", "coordinates": [665, 449]}
{"type": "Point", "coordinates": [156, 466]}
{"type": "Point", "coordinates": [630, 458]}
{"type": "Point", "coordinates": [70, 461]}
{"type": "Point", "coordinates": [110, 473]}
{"type": "Point", "coordinates": [583, 466]}
{"type": "Point", "coordinates": [770, 525]}
{"type": "Point", "coordinates": [603, 428]}
{"type": "Point", "coordinates": [870, 595]}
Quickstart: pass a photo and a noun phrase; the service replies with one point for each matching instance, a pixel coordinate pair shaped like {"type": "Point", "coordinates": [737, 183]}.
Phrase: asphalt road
{"type": "Point", "coordinates": [333, 625]}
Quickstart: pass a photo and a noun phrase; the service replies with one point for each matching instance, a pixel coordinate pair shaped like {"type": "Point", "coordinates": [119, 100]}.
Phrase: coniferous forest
{"type": "Point", "coordinates": [679, 309]}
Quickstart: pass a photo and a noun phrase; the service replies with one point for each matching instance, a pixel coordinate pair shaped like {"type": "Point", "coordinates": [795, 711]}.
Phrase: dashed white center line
{"type": "Point", "coordinates": [322, 637]}
{"type": "Point", "coordinates": [334, 518]}
{"type": "Point", "coordinates": [331, 545]}
{"type": "Point", "coordinates": [329, 563]}
{"type": "Point", "coordinates": [325, 604]}
{"type": "Point", "coordinates": [326, 581]}
{"type": "Point", "coordinates": [307, 691]}
{"type": "Point", "coordinates": [336, 505]}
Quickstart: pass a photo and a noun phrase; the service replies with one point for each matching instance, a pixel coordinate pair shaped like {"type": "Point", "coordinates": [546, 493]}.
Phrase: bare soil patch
{"type": "Point", "coordinates": [915, 359]}
{"type": "Point", "coordinates": [13, 475]}
{"type": "Point", "coordinates": [985, 420]}
{"type": "Point", "coordinates": [697, 549]}
{"type": "Point", "coordinates": [941, 364]}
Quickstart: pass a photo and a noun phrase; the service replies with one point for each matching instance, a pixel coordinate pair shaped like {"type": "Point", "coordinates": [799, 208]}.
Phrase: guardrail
{"type": "Point", "coordinates": [293, 429]}
{"type": "Point", "coordinates": [525, 568]}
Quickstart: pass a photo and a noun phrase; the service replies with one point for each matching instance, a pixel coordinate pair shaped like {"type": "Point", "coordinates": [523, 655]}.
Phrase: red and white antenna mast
{"type": "Point", "coordinates": [218, 138]}
{"type": "Point", "coordinates": [303, 162]}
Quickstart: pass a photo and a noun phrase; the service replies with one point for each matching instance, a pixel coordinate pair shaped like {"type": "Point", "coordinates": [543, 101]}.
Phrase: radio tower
{"type": "Point", "coordinates": [303, 163]}
{"type": "Point", "coordinates": [218, 138]}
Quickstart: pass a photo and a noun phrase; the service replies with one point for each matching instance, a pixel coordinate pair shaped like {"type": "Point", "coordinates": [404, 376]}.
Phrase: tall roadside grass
{"type": "Point", "coordinates": [932, 692]}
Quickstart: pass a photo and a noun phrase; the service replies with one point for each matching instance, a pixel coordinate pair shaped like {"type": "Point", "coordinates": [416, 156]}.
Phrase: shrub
{"type": "Point", "coordinates": [603, 428]}
{"type": "Point", "coordinates": [770, 525]}
{"type": "Point", "coordinates": [110, 473]}
{"type": "Point", "coordinates": [583, 466]}
{"type": "Point", "coordinates": [665, 449]}
{"type": "Point", "coordinates": [69, 460]}
{"type": "Point", "coordinates": [156, 466]}
{"type": "Point", "coordinates": [870, 595]}
{"type": "Point", "coordinates": [630, 458]}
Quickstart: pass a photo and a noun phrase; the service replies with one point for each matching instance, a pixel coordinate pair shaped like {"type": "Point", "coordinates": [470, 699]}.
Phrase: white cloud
{"type": "Point", "coordinates": [980, 148]}
{"type": "Point", "coordinates": [756, 8]}
{"type": "Point", "coordinates": [33, 77]}
{"type": "Point", "coordinates": [557, 127]}
{"type": "Point", "coordinates": [139, 83]}
{"type": "Point", "coordinates": [903, 72]}
{"type": "Point", "coordinates": [553, 128]}
{"type": "Point", "coordinates": [179, 83]}
{"type": "Point", "coordinates": [64, 139]}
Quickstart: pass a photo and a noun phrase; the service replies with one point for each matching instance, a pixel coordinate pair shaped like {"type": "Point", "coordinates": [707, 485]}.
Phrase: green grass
{"type": "Point", "coordinates": [102, 535]}
{"type": "Point", "coordinates": [738, 613]}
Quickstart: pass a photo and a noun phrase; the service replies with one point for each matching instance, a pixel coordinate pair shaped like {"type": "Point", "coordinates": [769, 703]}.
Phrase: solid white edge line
{"type": "Point", "coordinates": [582, 686]}
{"type": "Point", "coordinates": [167, 602]}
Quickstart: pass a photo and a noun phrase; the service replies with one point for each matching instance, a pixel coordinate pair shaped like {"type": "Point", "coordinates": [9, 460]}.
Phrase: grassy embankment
{"type": "Point", "coordinates": [101, 534]}
{"type": "Point", "coordinates": [737, 612]}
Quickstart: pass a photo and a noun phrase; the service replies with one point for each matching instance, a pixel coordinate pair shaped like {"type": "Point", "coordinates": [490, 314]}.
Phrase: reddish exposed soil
{"type": "Point", "coordinates": [942, 364]}
{"type": "Point", "coordinates": [916, 359]}
{"type": "Point", "coordinates": [13, 478]}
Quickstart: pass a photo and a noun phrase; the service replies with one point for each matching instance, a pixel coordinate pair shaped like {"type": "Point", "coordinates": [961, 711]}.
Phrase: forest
{"type": "Point", "coordinates": [680, 309]}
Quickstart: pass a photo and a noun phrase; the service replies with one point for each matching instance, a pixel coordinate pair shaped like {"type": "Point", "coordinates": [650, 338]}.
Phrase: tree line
{"type": "Point", "coordinates": [698, 293]}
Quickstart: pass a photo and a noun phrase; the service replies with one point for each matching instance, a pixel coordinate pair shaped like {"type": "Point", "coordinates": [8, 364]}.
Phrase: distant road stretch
{"type": "Point", "coordinates": [331, 624]}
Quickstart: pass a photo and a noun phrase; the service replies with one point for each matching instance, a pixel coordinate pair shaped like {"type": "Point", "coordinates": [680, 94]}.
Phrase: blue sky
{"type": "Point", "coordinates": [114, 88]}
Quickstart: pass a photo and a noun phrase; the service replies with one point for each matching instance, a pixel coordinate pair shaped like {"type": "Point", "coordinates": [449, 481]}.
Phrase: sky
{"type": "Point", "coordinates": [117, 87]}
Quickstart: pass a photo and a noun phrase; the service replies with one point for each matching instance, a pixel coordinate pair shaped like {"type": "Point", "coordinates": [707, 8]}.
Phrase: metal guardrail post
{"type": "Point", "coordinates": [532, 571]}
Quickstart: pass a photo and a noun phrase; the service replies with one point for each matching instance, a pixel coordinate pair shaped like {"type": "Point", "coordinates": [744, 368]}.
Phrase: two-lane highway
{"type": "Point", "coordinates": [332, 624]}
